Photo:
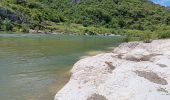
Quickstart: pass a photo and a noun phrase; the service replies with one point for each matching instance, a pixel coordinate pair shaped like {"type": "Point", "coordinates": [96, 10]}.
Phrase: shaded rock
{"type": "Point", "coordinates": [162, 90]}
{"type": "Point", "coordinates": [97, 97]}
{"type": "Point", "coordinates": [111, 66]}
{"type": "Point", "coordinates": [152, 77]}
{"type": "Point", "coordinates": [162, 65]}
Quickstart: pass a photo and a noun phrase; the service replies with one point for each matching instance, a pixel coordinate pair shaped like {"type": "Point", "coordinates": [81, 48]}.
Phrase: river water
{"type": "Point", "coordinates": [36, 66]}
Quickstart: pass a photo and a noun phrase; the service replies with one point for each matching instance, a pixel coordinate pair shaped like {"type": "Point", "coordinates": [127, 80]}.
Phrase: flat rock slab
{"type": "Point", "coordinates": [133, 71]}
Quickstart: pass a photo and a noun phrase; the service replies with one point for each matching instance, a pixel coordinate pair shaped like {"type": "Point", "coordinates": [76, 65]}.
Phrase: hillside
{"type": "Point", "coordinates": [86, 16]}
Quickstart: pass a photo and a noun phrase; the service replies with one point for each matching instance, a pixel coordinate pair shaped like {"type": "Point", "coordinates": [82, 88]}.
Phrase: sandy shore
{"type": "Point", "coordinates": [133, 71]}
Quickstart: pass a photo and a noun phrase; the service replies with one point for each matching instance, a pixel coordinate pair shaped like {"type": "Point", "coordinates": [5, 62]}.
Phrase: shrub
{"type": "Point", "coordinates": [127, 38]}
{"type": "Point", "coordinates": [21, 1]}
{"type": "Point", "coordinates": [25, 28]}
{"type": "Point", "coordinates": [164, 34]}
{"type": "Point", "coordinates": [147, 38]}
{"type": "Point", "coordinates": [35, 5]}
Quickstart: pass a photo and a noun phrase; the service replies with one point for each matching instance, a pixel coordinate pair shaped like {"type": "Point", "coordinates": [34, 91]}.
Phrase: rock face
{"type": "Point", "coordinates": [133, 71]}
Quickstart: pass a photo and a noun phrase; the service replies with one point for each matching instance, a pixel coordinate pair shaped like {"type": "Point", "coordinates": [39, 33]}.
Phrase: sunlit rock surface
{"type": "Point", "coordinates": [133, 71]}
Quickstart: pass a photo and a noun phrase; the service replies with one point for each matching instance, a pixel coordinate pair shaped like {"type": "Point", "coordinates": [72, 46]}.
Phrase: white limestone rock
{"type": "Point", "coordinates": [115, 76]}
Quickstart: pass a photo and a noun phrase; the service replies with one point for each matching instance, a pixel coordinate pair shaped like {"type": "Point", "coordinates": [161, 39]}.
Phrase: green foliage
{"type": "Point", "coordinates": [95, 16]}
{"type": "Point", "coordinates": [164, 34]}
{"type": "Point", "coordinates": [36, 5]}
{"type": "Point", "coordinates": [25, 28]}
{"type": "Point", "coordinates": [127, 38]}
{"type": "Point", "coordinates": [138, 18]}
{"type": "Point", "coordinates": [6, 25]}
{"type": "Point", "coordinates": [147, 38]}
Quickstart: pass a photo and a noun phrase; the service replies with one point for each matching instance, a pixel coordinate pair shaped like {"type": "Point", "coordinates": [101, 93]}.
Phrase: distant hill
{"type": "Point", "coordinates": [82, 16]}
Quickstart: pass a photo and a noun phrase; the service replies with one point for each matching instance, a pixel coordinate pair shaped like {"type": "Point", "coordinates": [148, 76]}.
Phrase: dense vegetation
{"type": "Point", "coordinates": [130, 17]}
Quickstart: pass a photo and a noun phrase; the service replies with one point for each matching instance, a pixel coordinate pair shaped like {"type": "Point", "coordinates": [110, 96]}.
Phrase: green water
{"type": "Point", "coordinates": [34, 67]}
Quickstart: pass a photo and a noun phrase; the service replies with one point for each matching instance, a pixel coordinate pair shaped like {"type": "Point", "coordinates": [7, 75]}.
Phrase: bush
{"type": "Point", "coordinates": [164, 34]}
{"type": "Point", "coordinates": [93, 16]}
{"type": "Point", "coordinates": [147, 37]}
{"type": "Point", "coordinates": [21, 1]}
{"type": "Point", "coordinates": [35, 5]}
{"type": "Point", "coordinates": [127, 38]}
{"type": "Point", "coordinates": [90, 32]}
{"type": "Point", "coordinates": [7, 25]}
{"type": "Point", "coordinates": [25, 28]}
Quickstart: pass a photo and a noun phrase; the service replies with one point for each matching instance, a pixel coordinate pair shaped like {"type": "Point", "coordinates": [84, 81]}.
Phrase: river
{"type": "Point", "coordinates": [36, 66]}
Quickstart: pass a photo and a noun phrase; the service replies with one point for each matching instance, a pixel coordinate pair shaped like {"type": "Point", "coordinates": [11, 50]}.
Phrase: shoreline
{"type": "Point", "coordinates": [59, 33]}
{"type": "Point", "coordinates": [133, 71]}
{"type": "Point", "coordinates": [71, 33]}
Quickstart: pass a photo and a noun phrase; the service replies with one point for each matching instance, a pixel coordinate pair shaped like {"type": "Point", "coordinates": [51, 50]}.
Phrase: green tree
{"type": "Point", "coordinates": [7, 25]}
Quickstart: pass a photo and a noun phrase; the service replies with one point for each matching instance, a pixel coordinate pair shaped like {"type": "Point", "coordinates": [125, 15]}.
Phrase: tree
{"type": "Point", "coordinates": [167, 20]}
{"type": "Point", "coordinates": [7, 25]}
{"type": "Point", "coordinates": [117, 1]}
{"type": "Point", "coordinates": [21, 1]}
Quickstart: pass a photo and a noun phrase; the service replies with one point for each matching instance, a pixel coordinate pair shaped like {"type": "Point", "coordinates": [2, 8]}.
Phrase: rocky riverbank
{"type": "Point", "coordinates": [133, 71]}
{"type": "Point", "coordinates": [71, 33]}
